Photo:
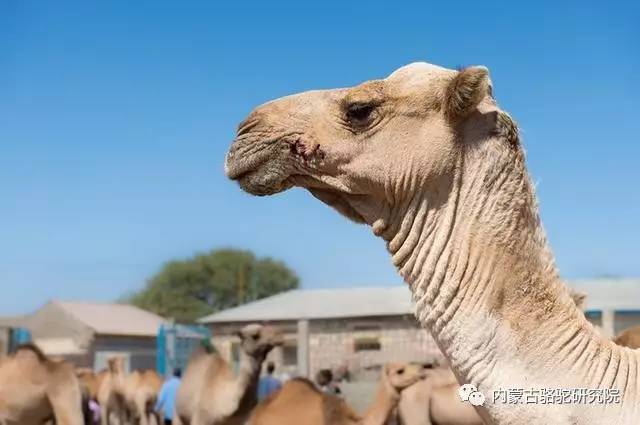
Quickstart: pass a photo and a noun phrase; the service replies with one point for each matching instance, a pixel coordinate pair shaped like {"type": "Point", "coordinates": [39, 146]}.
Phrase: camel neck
{"type": "Point", "coordinates": [385, 400]}
{"type": "Point", "coordinates": [247, 382]}
{"type": "Point", "coordinates": [485, 285]}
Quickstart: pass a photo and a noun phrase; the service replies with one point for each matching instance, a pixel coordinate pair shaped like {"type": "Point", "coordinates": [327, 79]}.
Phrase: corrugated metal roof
{"type": "Point", "coordinates": [114, 319]}
{"type": "Point", "coordinates": [617, 294]}
{"type": "Point", "coordinates": [321, 304]}
{"type": "Point", "coordinates": [610, 293]}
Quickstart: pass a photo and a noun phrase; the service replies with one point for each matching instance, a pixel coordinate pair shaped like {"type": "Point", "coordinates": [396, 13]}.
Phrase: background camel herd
{"type": "Point", "coordinates": [37, 390]}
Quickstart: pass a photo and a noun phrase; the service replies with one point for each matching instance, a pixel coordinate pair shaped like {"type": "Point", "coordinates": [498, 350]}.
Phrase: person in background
{"type": "Point", "coordinates": [94, 409]}
{"type": "Point", "coordinates": [268, 383]}
{"type": "Point", "coordinates": [167, 397]}
{"type": "Point", "coordinates": [324, 379]}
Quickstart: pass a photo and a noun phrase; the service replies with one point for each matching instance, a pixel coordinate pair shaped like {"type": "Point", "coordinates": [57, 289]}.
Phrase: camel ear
{"type": "Point", "coordinates": [465, 91]}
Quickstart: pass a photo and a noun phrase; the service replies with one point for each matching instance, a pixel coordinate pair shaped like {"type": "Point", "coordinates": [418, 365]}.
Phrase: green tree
{"type": "Point", "coordinates": [189, 289]}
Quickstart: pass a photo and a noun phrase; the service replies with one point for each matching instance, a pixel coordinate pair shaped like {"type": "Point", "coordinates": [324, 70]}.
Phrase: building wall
{"type": "Point", "coordinates": [626, 320]}
{"type": "Point", "coordinates": [365, 344]}
{"type": "Point", "coordinates": [622, 321]}
{"type": "Point", "coordinates": [360, 345]}
{"type": "Point", "coordinates": [51, 321]}
{"type": "Point", "coordinates": [139, 352]}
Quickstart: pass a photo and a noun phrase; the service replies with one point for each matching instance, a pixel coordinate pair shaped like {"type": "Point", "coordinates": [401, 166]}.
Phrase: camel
{"type": "Point", "coordinates": [212, 394]}
{"type": "Point", "coordinates": [299, 401]}
{"type": "Point", "coordinates": [429, 161]}
{"type": "Point", "coordinates": [91, 381]}
{"type": "Point", "coordinates": [112, 393]}
{"type": "Point", "coordinates": [141, 392]}
{"type": "Point", "coordinates": [630, 337]}
{"type": "Point", "coordinates": [435, 399]}
{"type": "Point", "coordinates": [35, 390]}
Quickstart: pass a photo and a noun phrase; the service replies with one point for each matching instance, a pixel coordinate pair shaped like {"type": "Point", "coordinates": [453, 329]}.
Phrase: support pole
{"type": "Point", "coordinates": [303, 348]}
{"type": "Point", "coordinates": [608, 322]}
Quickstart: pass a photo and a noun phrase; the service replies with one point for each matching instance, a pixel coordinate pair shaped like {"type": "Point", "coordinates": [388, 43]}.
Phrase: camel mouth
{"type": "Point", "coordinates": [259, 172]}
{"type": "Point", "coordinates": [260, 184]}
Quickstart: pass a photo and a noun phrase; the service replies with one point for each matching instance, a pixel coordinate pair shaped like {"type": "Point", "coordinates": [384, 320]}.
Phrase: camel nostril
{"type": "Point", "coordinates": [247, 125]}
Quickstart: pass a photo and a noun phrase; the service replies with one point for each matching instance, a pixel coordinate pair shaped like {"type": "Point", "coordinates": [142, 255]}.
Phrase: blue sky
{"type": "Point", "coordinates": [114, 120]}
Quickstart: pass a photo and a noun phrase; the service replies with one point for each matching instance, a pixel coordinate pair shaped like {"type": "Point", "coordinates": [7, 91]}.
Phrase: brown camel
{"type": "Point", "coordinates": [112, 393]}
{"type": "Point", "coordinates": [35, 389]}
{"type": "Point", "coordinates": [427, 158]}
{"type": "Point", "coordinates": [630, 337]}
{"type": "Point", "coordinates": [141, 392]}
{"type": "Point", "coordinates": [211, 393]}
{"type": "Point", "coordinates": [300, 402]}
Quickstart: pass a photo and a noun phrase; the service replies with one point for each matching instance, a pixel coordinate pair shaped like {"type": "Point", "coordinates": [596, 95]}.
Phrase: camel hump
{"type": "Point", "coordinates": [335, 410]}
{"type": "Point", "coordinates": [30, 348]}
{"type": "Point", "coordinates": [304, 381]}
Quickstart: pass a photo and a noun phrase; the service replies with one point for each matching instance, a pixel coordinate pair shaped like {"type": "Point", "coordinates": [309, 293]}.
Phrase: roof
{"type": "Point", "coordinates": [609, 293]}
{"type": "Point", "coordinates": [12, 321]}
{"type": "Point", "coordinates": [59, 346]}
{"type": "Point", "coordinates": [113, 319]}
{"type": "Point", "coordinates": [321, 304]}
{"type": "Point", "coordinates": [617, 294]}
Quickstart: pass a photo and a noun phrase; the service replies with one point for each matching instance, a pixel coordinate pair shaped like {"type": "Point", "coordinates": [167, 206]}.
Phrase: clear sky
{"type": "Point", "coordinates": [115, 117]}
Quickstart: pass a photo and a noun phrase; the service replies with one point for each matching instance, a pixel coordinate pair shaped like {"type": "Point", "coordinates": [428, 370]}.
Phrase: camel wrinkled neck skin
{"type": "Point", "coordinates": [485, 285]}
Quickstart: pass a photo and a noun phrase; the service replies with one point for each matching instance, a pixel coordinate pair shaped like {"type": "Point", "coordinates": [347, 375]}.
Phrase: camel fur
{"type": "Point", "coordinates": [436, 168]}
{"type": "Point", "coordinates": [35, 390]}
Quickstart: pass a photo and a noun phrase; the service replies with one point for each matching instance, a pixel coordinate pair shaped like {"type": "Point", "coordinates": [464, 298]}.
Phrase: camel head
{"type": "Point", "coordinates": [116, 365]}
{"type": "Point", "coordinates": [367, 149]}
{"type": "Point", "coordinates": [579, 298]}
{"type": "Point", "coordinates": [257, 340]}
{"type": "Point", "coordinates": [399, 376]}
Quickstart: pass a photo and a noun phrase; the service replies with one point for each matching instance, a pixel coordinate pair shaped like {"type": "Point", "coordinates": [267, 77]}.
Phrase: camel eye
{"type": "Point", "coordinates": [359, 113]}
{"type": "Point", "coordinates": [400, 371]}
{"type": "Point", "coordinates": [255, 337]}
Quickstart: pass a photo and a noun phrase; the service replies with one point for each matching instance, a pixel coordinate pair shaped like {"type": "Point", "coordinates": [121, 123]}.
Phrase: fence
{"type": "Point", "coordinates": [175, 343]}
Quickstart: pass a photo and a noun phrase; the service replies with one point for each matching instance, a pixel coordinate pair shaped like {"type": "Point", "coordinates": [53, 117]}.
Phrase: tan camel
{"type": "Point", "coordinates": [90, 380]}
{"type": "Point", "coordinates": [141, 392]}
{"type": "Point", "coordinates": [428, 160]}
{"type": "Point", "coordinates": [434, 400]}
{"type": "Point", "coordinates": [299, 401]}
{"type": "Point", "coordinates": [211, 393]}
{"type": "Point", "coordinates": [630, 337]}
{"type": "Point", "coordinates": [35, 389]}
{"type": "Point", "coordinates": [112, 393]}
